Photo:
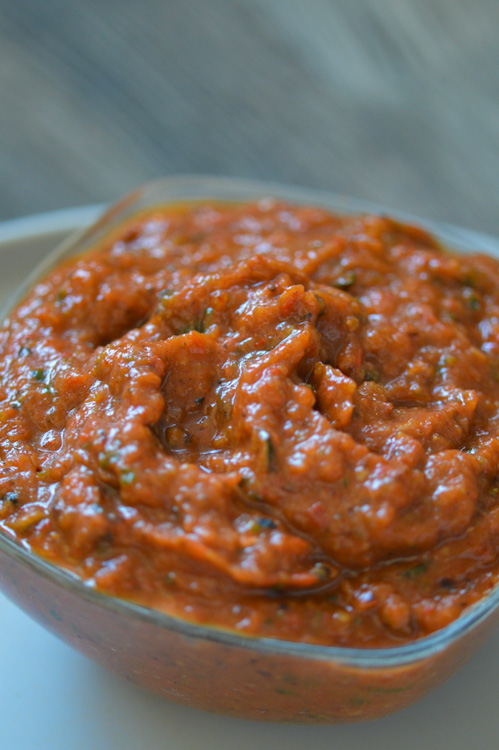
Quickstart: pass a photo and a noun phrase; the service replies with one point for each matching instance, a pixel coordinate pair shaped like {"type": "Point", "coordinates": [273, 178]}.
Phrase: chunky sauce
{"type": "Point", "coordinates": [261, 417]}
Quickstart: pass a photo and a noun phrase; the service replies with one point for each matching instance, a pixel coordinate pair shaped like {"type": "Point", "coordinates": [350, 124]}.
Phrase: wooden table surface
{"type": "Point", "coordinates": [395, 101]}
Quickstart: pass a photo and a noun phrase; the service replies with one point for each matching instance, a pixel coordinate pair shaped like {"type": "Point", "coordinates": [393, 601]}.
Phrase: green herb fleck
{"type": "Point", "coordinates": [266, 523]}
{"type": "Point", "coordinates": [127, 478]}
{"type": "Point", "coordinates": [201, 326]}
{"type": "Point", "coordinates": [104, 544]}
{"type": "Point", "coordinates": [361, 373]}
{"type": "Point", "coordinates": [473, 302]}
{"type": "Point", "coordinates": [39, 375]}
{"type": "Point", "coordinates": [322, 304]}
{"type": "Point", "coordinates": [244, 486]}
{"type": "Point", "coordinates": [254, 496]}
{"type": "Point", "coordinates": [373, 374]}
{"type": "Point", "coordinates": [416, 571]}
{"type": "Point", "coordinates": [269, 450]}
{"type": "Point", "coordinates": [470, 278]}
{"type": "Point", "coordinates": [321, 571]}
{"type": "Point", "coordinates": [359, 701]}
{"type": "Point", "coordinates": [10, 497]}
{"type": "Point", "coordinates": [198, 325]}
{"type": "Point", "coordinates": [345, 281]}
{"type": "Point", "coordinates": [170, 578]}
{"type": "Point", "coordinates": [106, 459]}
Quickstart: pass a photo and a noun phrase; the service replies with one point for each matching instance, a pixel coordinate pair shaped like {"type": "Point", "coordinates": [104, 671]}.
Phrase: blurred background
{"type": "Point", "coordinates": [395, 101]}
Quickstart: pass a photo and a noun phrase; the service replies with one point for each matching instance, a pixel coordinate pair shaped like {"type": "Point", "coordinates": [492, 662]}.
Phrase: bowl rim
{"type": "Point", "coordinates": [65, 220]}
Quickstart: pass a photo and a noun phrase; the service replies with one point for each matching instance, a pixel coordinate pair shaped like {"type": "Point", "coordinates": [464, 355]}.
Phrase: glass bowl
{"type": "Point", "coordinates": [212, 668]}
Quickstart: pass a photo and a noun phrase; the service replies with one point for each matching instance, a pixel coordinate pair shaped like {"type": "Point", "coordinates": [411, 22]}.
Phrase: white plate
{"type": "Point", "coordinates": [52, 698]}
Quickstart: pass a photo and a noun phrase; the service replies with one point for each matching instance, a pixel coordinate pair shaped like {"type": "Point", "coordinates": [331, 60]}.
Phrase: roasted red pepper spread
{"type": "Point", "coordinates": [264, 418]}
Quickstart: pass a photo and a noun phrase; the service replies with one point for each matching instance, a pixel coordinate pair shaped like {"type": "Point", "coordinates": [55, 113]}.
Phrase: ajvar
{"type": "Point", "coordinates": [264, 418]}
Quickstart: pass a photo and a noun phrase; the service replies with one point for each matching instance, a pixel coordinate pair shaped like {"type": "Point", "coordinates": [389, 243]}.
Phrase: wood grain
{"type": "Point", "coordinates": [391, 100]}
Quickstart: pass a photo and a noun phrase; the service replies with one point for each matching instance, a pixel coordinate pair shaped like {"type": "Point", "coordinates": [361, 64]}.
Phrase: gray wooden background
{"type": "Point", "coordinates": [391, 100]}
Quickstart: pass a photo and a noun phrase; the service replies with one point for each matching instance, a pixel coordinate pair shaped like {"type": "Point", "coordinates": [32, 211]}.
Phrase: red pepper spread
{"type": "Point", "coordinates": [264, 418]}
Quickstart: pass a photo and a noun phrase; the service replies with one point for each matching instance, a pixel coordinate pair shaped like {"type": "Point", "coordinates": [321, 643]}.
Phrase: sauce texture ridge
{"type": "Point", "coordinates": [261, 417]}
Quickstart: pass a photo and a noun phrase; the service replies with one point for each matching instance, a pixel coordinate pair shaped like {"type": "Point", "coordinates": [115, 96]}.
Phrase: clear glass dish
{"type": "Point", "coordinates": [212, 668]}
